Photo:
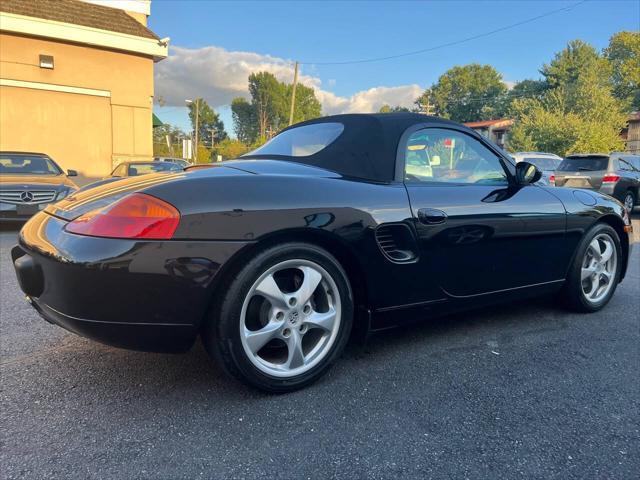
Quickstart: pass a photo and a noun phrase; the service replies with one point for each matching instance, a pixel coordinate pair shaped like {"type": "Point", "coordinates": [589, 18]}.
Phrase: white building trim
{"type": "Point", "coordinates": [41, 27]}
{"type": "Point", "coordinates": [7, 82]}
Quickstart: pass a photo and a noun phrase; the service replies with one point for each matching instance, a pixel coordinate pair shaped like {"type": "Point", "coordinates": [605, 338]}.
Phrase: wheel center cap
{"type": "Point", "coordinates": [293, 317]}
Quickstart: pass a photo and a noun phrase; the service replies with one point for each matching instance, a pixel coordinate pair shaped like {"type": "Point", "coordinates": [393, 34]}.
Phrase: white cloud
{"type": "Point", "coordinates": [219, 75]}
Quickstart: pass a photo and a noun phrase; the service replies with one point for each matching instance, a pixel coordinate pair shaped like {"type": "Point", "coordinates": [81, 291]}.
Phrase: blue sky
{"type": "Point", "coordinates": [216, 44]}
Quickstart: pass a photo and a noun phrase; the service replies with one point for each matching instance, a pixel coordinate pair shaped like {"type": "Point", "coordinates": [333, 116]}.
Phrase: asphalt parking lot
{"type": "Point", "coordinates": [521, 391]}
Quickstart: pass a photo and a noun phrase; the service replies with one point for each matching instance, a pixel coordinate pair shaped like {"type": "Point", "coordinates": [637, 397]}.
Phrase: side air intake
{"type": "Point", "coordinates": [397, 242]}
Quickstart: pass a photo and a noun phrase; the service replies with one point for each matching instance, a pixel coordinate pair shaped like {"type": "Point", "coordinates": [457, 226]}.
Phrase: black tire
{"type": "Point", "coordinates": [221, 335]}
{"type": "Point", "coordinates": [572, 294]}
{"type": "Point", "coordinates": [629, 199]}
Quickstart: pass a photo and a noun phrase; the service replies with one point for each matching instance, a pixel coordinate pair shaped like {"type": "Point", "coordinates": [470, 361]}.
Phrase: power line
{"type": "Point", "coordinates": [450, 44]}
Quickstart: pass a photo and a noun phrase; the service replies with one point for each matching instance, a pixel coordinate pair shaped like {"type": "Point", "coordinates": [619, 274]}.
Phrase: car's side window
{"type": "Point", "coordinates": [624, 165]}
{"type": "Point", "coordinates": [449, 156]}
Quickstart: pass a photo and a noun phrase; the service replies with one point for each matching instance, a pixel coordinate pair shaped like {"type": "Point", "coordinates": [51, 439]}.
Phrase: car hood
{"type": "Point", "coordinates": [31, 181]}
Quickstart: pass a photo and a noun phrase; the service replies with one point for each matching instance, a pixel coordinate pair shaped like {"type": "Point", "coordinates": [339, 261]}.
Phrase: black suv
{"type": "Point", "coordinates": [616, 174]}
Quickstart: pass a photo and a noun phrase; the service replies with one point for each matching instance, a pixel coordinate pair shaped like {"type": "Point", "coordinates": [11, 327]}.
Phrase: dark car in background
{"type": "Point", "coordinates": [180, 161]}
{"type": "Point", "coordinates": [616, 174]}
{"type": "Point", "coordinates": [133, 169]}
{"type": "Point", "coordinates": [29, 182]}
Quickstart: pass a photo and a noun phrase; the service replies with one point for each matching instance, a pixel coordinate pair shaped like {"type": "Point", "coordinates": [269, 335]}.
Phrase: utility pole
{"type": "Point", "coordinates": [195, 133]}
{"type": "Point", "coordinates": [293, 93]}
{"type": "Point", "coordinates": [197, 127]}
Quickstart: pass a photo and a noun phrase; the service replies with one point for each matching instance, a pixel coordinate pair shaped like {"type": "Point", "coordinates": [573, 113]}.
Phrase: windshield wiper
{"type": "Point", "coordinates": [585, 169]}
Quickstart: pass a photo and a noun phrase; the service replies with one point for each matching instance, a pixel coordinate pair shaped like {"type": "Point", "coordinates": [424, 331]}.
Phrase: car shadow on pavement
{"type": "Point", "coordinates": [78, 364]}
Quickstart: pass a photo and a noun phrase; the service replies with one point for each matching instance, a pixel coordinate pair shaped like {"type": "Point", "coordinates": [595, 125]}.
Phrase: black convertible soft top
{"type": "Point", "coordinates": [365, 149]}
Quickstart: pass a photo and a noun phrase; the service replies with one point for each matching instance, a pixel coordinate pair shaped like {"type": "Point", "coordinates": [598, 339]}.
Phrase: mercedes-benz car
{"type": "Point", "coordinates": [29, 182]}
{"type": "Point", "coordinates": [331, 227]}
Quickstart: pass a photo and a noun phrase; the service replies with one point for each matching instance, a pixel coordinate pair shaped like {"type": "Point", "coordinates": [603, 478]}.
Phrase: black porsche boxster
{"type": "Point", "coordinates": [339, 223]}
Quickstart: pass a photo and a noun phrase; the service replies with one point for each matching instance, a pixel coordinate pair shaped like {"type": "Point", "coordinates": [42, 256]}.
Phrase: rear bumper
{"type": "Point", "coordinates": [143, 295]}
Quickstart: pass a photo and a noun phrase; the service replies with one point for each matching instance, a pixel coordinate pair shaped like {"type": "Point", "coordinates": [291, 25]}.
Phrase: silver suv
{"type": "Point", "coordinates": [546, 162]}
{"type": "Point", "coordinates": [616, 174]}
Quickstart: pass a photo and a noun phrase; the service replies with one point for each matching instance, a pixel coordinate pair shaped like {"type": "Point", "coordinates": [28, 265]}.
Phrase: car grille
{"type": "Point", "coordinates": [19, 197]}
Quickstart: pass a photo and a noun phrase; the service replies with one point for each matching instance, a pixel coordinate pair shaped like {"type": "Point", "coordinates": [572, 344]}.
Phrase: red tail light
{"type": "Point", "coordinates": [552, 180]}
{"type": "Point", "coordinates": [610, 178]}
{"type": "Point", "coordinates": [134, 216]}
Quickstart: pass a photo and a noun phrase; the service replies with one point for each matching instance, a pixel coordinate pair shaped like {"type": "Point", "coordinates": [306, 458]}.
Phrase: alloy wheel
{"type": "Point", "coordinates": [290, 318]}
{"type": "Point", "coordinates": [599, 268]}
{"type": "Point", "coordinates": [628, 202]}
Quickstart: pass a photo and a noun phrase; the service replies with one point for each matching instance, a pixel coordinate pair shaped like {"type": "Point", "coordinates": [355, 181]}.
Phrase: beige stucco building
{"type": "Point", "coordinates": [76, 80]}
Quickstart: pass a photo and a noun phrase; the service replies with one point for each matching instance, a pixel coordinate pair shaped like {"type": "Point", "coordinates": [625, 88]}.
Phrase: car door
{"type": "Point", "coordinates": [478, 231]}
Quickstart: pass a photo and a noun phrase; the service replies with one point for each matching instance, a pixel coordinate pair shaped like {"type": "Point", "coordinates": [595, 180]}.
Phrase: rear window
{"type": "Point", "coordinates": [301, 141]}
{"type": "Point", "coordinates": [575, 164]}
{"type": "Point", "coordinates": [144, 168]}
{"type": "Point", "coordinates": [544, 163]}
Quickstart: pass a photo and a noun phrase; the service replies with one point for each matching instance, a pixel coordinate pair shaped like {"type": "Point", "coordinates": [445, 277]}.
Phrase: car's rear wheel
{"type": "Point", "coordinates": [284, 319]}
{"type": "Point", "coordinates": [595, 272]}
{"type": "Point", "coordinates": [629, 201]}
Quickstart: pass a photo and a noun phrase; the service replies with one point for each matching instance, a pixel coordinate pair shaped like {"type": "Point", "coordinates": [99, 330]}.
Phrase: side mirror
{"type": "Point", "coordinates": [527, 173]}
{"type": "Point", "coordinates": [72, 173]}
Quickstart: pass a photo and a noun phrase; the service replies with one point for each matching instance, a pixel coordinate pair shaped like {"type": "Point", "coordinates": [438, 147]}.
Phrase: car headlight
{"type": "Point", "coordinates": [63, 193]}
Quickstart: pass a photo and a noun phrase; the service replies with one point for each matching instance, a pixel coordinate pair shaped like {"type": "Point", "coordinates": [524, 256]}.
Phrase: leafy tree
{"type": "Point", "coordinates": [167, 141]}
{"type": "Point", "coordinates": [230, 149]}
{"type": "Point", "coordinates": [527, 89]}
{"type": "Point", "coordinates": [203, 155]}
{"type": "Point", "coordinates": [467, 93]}
{"type": "Point", "coordinates": [623, 54]}
{"type": "Point", "coordinates": [244, 120]}
{"type": "Point", "coordinates": [268, 111]}
{"type": "Point", "coordinates": [576, 60]}
{"type": "Point", "coordinates": [208, 122]}
{"type": "Point", "coordinates": [389, 109]}
{"type": "Point", "coordinates": [578, 111]}
{"type": "Point", "coordinates": [307, 105]}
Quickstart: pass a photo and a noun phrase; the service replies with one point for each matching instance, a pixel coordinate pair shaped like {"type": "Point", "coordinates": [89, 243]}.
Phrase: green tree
{"type": "Point", "coordinates": [167, 141]}
{"type": "Point", "coordinates": [623, 53]}
{"type": "Point", "coordinates": [389, 109]}
{"type": "Point", "coordinates": [268, 111]}
{"type": "Point", "coordinates": [229, 149]}
{"type": "Point", "coordinates": [576, 60]}
{"type": "Point", "coordinates": [307, 105]}
{"type": "Point", "coordinates": [244, 120]}
{"type": "Point", "coordinates": [578, 111]}
{"type": "Point", "coordinates": [209, 122]}
{"type": "Point", "coordinates": [467, 93]}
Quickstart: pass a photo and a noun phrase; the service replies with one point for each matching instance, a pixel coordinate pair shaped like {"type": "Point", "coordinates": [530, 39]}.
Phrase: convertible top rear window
{"type": "Point", "coordinates": [301, 141]}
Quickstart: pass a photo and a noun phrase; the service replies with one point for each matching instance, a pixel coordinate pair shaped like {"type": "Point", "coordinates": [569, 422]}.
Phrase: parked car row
{"type": "Point", "coordinates": [31, 181]}
{"type": "Point", "coordinates": [616, 174]}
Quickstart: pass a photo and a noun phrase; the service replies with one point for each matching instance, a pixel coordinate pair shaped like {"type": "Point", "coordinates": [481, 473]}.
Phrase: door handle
{"type": "Point", "coordinates": [431, 216]}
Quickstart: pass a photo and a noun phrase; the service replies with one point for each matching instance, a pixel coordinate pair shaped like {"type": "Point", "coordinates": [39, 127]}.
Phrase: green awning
{"type": "Point", "coordinates": [156, 121]}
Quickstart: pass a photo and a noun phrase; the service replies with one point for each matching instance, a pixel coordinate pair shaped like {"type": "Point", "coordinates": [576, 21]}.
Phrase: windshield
{"type": "Point", "coordinates": [301, 141]}
{"type": "Point", "coordinates": [544, 163]}
{"type": "Point", "coordinates": [21, 164]}
{"type": "Point", "coordinates": [587, 164]}
{"type": "Point", "coordinates": [144, 168]}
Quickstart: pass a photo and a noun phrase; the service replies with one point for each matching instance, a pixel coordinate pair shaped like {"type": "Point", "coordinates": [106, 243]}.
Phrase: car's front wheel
{"type": "Point", "coordinates": [595, 272]}
{"type": "Point", "coordinates": [285, 317]}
